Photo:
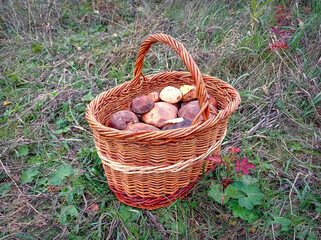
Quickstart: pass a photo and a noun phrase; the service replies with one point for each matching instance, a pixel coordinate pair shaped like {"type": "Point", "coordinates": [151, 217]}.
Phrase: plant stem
{"type": "Point", "coordinates": [227, 171]}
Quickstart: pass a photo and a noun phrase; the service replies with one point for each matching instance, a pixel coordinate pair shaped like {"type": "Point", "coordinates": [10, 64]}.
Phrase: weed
{"type": "Point", "coordinates": [55, 56]}
{"type": "Point", "coordinates": [241, 191]}
{"type": "Point", "coordinates": [283, 17]}
{"type": "Point", "coordinates": [257, 11]}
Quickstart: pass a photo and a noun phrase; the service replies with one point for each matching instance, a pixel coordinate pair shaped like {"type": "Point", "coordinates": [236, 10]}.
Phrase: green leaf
{"type": "Point", "coordinates": [178, 226]}
{"type": "Point", "coordinates": [312, 236]}
{"type": "Point", "coordinates": [249, 96]}
{"type": "Point", "coordinates": [254, 5]}
{"type": "Point", "coordinates": [285, 222]}
{"type": "Point", "coordinates": [317, 99]}
{"type": "Point", "coordinates": [80, 107]}
{"type": "Point", "coordinates": [258, 14]}
{"type": "Point", "coordinates": [63, 218]}
{"type": "Point", "coordinates": [88, 97]}
{"type": "Point", "coordinates": [28, 175]}
{"type": "Point", "coordinates": [35, 160]}
{"type": "Point", "coordinates": [238, 185]}
{"type": "Point", "coordinates": [280, 104]}
{"type": "Point", "coordinates": [5, 187]}
{"type": "Point", "coordinates": [264, 3]}
{"type": "Point", "coordinates": [59, 131]}
{"type": "Point", "coordinates": [61, 123]}
{"type": "Point", "coordinates": [266, 166]}
{"type": "Point", "coordinates": [193, 204]}
{"type": "Point", "coordinates": [23, 151]}
{"type": "Point", "coordinates": [248, 180]}
{"type": "Point", "coordinates": [54, 93]}
{"type": "Point", "coordinates": [64, 170]}
{"type": "Point", "coordinates": [36, 49]}
{"type": "Point", "coordinates": [58, 176]}
{"type": "Point", "coordinates": [55, 181]}
{"type": "Point", "coordinates": [64, 130]}
{"type": "Point", "coordinates": [128, 214]}
{"type": "Point", "coordinates": [216, 192]}
{"type": "Point", "coordinates": [302, 235]}
{"type": "Point", "coordinates": [242, 212]}
{"type": "Point", "coordinates": [67, 194]}
{"type": "Point", "coordinates": [253, 197]}
{"type": "Point", "coordinates": [69, 210]}
{"type": "Point", "coordinates": [230, 191]}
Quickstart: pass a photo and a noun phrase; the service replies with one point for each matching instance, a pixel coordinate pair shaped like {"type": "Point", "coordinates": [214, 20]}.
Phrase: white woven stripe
{"type": "Point", "coordinates": [157, 169]}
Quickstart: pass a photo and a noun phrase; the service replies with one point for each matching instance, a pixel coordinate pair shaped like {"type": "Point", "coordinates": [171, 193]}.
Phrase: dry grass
{"type": "Point", "coordinates": [55, 56]}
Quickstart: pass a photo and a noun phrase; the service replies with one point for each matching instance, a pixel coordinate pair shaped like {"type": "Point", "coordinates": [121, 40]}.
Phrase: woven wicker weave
{"type": "Point", "coordinates": [151, 169]}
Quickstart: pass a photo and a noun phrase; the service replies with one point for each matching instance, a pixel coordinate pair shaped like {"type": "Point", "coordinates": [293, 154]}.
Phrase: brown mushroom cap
{"type": "Point", "coordinates": [177, 105]}
{"type": "Point", "coordinates": [191, 109]}
{"type": "Point", "coordinates": [142, 104]}
{"type": "Point", "coordinates": [119, 120]}
{"type": "Point", "coordinates": [138, 127]}
{"type": "Point", "coordinates": [189, 96]}
{"type": "Point", "coordinates": [154, 96]}
{"type": "Point", "coordinates": [160, 113]}
{"type": "Point", "coordinates": [213, 101]}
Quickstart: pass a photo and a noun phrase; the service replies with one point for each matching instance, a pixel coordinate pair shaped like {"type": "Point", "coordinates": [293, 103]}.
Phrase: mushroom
{"type": "Point", "coordinates": [161, 112]}
{"type": "Point", "coordinates": [138, 127]}
{"type": "Point", "coordinates": [154, 96]}
{"type": "Point", "coordinates": [177, 105]}
{"type": "Point", "coordinates": [119, 120]}
{"type": "Point", "coordinates": [182, 124]}
{"type": "Point", "coordinates": [142, 104]}
{"type": "Point", "coordinates": [171, 94]}
{"type": "Point", "coordinates": [191, 109]}
{"type": "Point", "coordinates": [189, 93]}
{"type": "Point", "coordinates": [213, 101]}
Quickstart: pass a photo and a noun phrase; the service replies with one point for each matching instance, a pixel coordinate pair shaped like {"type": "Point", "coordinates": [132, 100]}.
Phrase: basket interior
{"type": "Point", "coordinates": [112, 103]}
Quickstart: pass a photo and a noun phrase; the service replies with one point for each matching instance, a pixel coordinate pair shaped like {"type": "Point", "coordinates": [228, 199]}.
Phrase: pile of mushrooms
{"type": "Point", "coordinates": [171, 108]}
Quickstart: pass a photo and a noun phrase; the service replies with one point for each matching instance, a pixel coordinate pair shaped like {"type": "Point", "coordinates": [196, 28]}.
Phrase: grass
{"type": "Point", "coordinates": [55, 57]}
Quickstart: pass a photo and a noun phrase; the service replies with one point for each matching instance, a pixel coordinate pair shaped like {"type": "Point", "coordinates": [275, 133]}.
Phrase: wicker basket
{"type": "Point", "coordinates": [152, 169]}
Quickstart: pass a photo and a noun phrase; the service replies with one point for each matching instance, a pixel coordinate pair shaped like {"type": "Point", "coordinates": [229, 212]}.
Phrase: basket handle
{"type": "Point", "coordinates": [201, 91]}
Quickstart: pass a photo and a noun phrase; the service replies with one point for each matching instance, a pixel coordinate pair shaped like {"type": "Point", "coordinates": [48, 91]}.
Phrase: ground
{"type": "Point", "coordinates": [56, 56]}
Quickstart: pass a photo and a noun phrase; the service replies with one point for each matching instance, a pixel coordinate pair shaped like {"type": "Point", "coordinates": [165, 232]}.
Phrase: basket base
{"type": "Point", "coordinates": [155, 203]}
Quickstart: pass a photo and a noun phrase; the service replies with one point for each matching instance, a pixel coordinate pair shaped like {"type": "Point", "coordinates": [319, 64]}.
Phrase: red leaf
{"type": "Point", "coordinates": [244, 166]}
{"type": "Point", "coordinates": [234, 150]}
{"type": "Point", "coordinates": [245, 171]}
{"type": "Point", "coordinates": [249, 165]}
{"type": "Point", "coordinates": [93, 208]}
{"type": "Point", "coordinates": [278, 44]}
{"type": "Point", "coordinates": [244, 161]}
{"type": "Point", "coordinates": [214, 158]}
{"type": "Point", "coordinates": [238, 168]}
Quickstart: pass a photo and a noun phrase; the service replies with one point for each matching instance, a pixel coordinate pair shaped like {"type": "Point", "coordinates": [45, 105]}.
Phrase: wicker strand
{"type": "Point", "coordinates": [163, 201]}
{"type": "Point", "coordinates": [128, 169]}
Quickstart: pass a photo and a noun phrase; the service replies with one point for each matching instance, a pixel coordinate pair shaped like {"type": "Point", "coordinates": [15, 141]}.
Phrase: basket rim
{"type": "Point", "coordinates": [179, 133]}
